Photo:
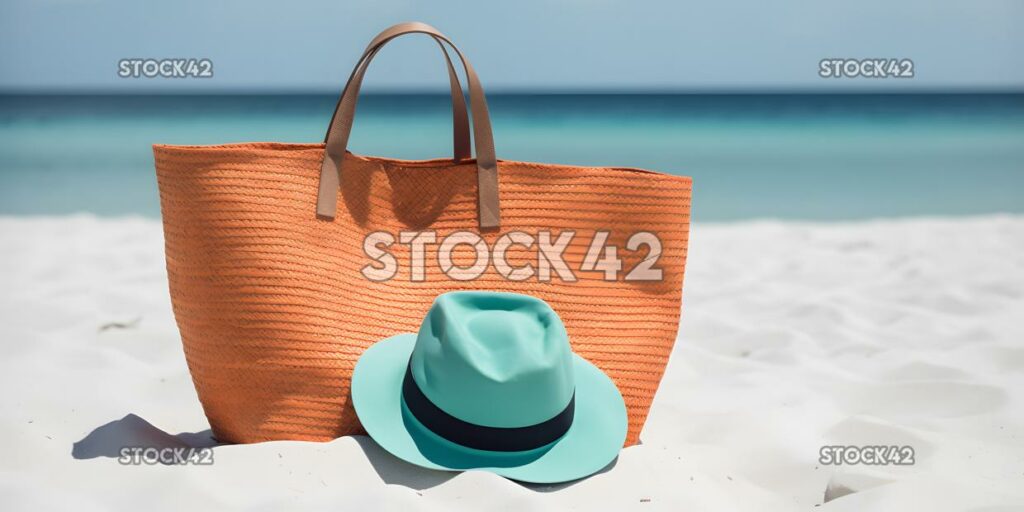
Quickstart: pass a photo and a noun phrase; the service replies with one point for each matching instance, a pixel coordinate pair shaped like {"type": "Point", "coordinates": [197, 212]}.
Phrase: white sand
{"type": "Point", "coordinates": [794, 336]}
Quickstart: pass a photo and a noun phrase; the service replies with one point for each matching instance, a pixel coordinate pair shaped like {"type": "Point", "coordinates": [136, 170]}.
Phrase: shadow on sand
{"type": "Point", "coordinates": [132, 431]}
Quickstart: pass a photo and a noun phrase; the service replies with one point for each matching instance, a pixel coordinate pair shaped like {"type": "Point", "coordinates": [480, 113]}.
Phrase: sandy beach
{"type": "Point", "coordinates": [794, 336]}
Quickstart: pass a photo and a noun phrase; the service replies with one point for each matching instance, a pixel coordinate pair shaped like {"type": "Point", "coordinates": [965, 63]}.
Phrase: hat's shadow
{"type": "Point", "coordinates": [393, 470]}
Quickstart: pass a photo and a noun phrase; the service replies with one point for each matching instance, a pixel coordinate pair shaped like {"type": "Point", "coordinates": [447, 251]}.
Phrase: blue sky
{"type": "Point", "coordinates": [256, 45]}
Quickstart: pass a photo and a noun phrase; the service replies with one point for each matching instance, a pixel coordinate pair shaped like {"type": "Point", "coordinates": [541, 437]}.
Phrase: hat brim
{"type": "Point", "coordinates": [593, 441]}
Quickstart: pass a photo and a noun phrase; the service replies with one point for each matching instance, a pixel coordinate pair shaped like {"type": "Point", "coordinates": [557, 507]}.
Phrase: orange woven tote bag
{"type": "Point", "coordinates": [279, 282]}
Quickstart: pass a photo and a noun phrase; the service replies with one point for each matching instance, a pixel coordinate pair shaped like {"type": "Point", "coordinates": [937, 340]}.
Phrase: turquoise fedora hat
{"type": "Point", "coordinates": [490, 383]}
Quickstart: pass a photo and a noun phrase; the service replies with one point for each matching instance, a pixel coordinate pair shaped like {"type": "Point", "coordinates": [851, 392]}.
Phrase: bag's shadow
{"type": "Point", "coordinates": [132, 431]}
{"type": "Point", "coordinates": [109, 439]}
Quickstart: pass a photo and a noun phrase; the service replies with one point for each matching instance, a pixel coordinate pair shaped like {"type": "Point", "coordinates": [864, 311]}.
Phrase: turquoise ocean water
{"type": "Point", "coordinates": [819, 157]}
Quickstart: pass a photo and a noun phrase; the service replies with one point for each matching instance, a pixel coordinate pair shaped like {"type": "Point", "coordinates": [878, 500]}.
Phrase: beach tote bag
{"type": "Point", "coordinates": [286, 261]}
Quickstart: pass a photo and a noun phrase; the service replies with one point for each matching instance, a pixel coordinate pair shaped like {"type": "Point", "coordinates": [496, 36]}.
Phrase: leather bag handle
{"type": "Point", "coordinates": [341, 125]}
{"type": "Point", "coordinates": [460, 116]}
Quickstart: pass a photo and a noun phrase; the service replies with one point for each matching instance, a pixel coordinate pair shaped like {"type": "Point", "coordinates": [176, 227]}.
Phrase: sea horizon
{"type": "Point", "coordinates": [779, 155]}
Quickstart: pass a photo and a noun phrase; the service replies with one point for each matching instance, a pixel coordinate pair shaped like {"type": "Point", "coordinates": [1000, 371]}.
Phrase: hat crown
{"type": "Point", "coordinates": [494, 359]}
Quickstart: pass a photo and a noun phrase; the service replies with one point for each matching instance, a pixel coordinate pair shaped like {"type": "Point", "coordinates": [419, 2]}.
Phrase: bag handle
{"type": "Point", "coordinates": [460, 116]}
{"type": "Point", "coordinates": [341, 125]}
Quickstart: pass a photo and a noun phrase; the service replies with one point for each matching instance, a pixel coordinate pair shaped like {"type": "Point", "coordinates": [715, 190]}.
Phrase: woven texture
{"type": "Point", "coordinates": [274, 311]}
